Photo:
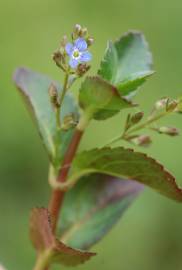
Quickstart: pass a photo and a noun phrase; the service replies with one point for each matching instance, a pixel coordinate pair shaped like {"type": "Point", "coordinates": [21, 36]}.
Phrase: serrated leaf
{"type": "Point", "coordinates": [92, 207]}
{"type": "Point", "coordinates": [101, 98]}
{"type": "Point", "coordinates": [43, 239]}
{"type": "Point", "coordinates": [132, 82]}
{"type": "Point", "coordinates": [34, 88]}
{"type": "Point", "coordinates": [126, 164]}
{"type": "Point", "coordinates": [125, 61]}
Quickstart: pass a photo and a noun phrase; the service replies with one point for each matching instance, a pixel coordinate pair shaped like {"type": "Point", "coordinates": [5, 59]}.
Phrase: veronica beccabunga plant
{"type": "Point", "coordinates": [92, 189]}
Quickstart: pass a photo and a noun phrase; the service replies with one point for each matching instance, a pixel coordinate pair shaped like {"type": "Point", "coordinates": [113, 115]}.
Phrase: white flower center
{"type": "Point", "coordinates": [76, 54]}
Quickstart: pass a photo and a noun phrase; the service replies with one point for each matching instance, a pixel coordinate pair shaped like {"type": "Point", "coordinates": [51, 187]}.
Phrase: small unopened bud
{"type": "Point", "coordinates": [178, 109]}
{"type": "Point", "coordinates": [83, 32]}
{"type": "Point", "coordinates": [171, 105]}
{"type": "Point", "coordinates": [161, 104]}
{"type": "Point", "coordinates": [142, 140]}
{"type": "Point", "coordinates": [69, 121]}
{"type": "Point", "coordinates": [76, 31]}
{"type": "Point", "coordinates": [63, 41]}
{"type": "Point", "coordinates": [57, 57]}
{"type": "Point", "coordinates": [90, 41]}
{"type": "Point", "coordinates": [82, 69]}
{"type": "Point", "coordinates": [171, 131]}
{"type": "Point", "coordinates": [53, 93]}
{"type": "Point", "coordinates": [135, 119]}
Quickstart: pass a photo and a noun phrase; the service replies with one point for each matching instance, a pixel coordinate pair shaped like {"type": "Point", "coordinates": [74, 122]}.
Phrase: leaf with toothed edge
{"type": "Point", "coordinates": [92, 207]}
{"type": "Point", "coordinates": [43, 239]}
{"type": "Point", "coordinates": [34, 88]}
{"type": "Point", "coordinates": [127, 63]}
{"type": "Point", "coordinates": [126, 164]}
{"type": "Point", "coordinates": [101, 98]}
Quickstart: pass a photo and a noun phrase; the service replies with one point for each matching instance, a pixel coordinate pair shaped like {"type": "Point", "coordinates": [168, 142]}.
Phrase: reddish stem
{"type": "Point", "coordinates": [58, 195]}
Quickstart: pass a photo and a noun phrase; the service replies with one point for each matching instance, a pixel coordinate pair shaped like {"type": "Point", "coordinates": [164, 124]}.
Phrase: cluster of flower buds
{"type": "Point", "coordinates": [139, 140]}
{"type": "Point", "coordinates": [82, 32]}
{"type": "Point", "coordinates": [169, 105]}
{"type": "Point", "coordinates": [161, 108]}
{"type": "Point", "coordinates": [73, 57]}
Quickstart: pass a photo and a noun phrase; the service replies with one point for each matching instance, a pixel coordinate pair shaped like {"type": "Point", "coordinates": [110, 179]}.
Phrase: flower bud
{"type": "Point", "coordinates": [90, 41]}
{"type": "Point", "coordinates": [142, 140]}
{"type": "Point", "coordinates": [58, 58]}
{"type": "Point", "coordinates": [83, 32]}
{"type": "Point", "coordinates": [171, 105]}
{"type": "Point", "coordinates": [171, 131]}
{"type": "Point", "coordinates": [64, 41]}
{"type": "Point", "coordinates": [135, 119]}
{"type": "Point", "coordinates": [178, 108]}
{"type": "Point", "coordinates": [161, 104]}
{"type": "Point", "coordinates": [82, 69]}
{"type": "Point", "coordinates": [69, 121]}
{"type": "Point", "coordinates": [54, 98]}
{"type": "Point", "coordinates": [76, 31]}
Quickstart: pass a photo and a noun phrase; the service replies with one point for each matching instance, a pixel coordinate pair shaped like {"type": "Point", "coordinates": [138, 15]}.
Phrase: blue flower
{"type": "Point", "coordinates": [78, 52]}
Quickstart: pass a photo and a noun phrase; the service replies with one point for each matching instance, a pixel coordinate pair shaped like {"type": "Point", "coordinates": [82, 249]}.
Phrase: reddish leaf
{"type": "Point", "coordinates": [43, 239]}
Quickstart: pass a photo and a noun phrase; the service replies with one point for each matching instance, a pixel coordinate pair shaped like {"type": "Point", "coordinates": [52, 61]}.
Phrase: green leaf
{"type": "Point", "coordinates": [126, 164]}
{"type": "Point", "coordinates": [44, 240]}
{"type": "Point", "coordinates": [92, 207]}
{"type": "Point", "coordinates": [128, 86]}
{"type": "Point", "coordinates": [34, 88]}
{"type": "Point", "coordinates": [127, 62]}
{"type": "Point", "coordinates": [100, 98]}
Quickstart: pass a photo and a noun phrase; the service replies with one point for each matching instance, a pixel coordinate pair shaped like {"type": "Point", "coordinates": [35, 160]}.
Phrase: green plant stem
{"type": "Point", "coordinates": [57, 195]}
{"type": "Point", "coordinates": [42, 262]}
{"type": "Point", "coordinates": [139, 127]}
{"type": "Point", "coordinates": [63, 93]}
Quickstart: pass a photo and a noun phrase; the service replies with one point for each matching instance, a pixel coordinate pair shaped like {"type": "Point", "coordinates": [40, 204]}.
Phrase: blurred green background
{"type": "Point", "coordinates": [150, 234]}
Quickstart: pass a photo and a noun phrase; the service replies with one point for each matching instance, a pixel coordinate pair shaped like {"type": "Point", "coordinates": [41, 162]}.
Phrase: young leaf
{"type": "Point", "coordinates": [127, 62]}
{"type": "Point", "coordinates": [126, 164]}
{"type": "Point", "coordinates": [100, 98]}
{"type": "Point", "coordinates": [43, 239]}
{"type": "Point", "coordinates": [92, 207]}
{"type": "Point", "coordinates": [34, 88]}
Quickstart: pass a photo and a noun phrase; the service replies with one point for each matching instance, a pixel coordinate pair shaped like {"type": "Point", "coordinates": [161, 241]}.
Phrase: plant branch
{"type": "Point", "coordinates": [145, 124]}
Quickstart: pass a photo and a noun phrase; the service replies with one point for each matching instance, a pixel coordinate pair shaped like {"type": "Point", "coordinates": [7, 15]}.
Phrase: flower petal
{"type": "Point", "coordinates": [86, 57]}
{"type": "Point", "coordinates": [69, 48]}
{"type": "Point", "coordinates": [80, 44]}
{"type": "Point", "coordinates": [73, 63]}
